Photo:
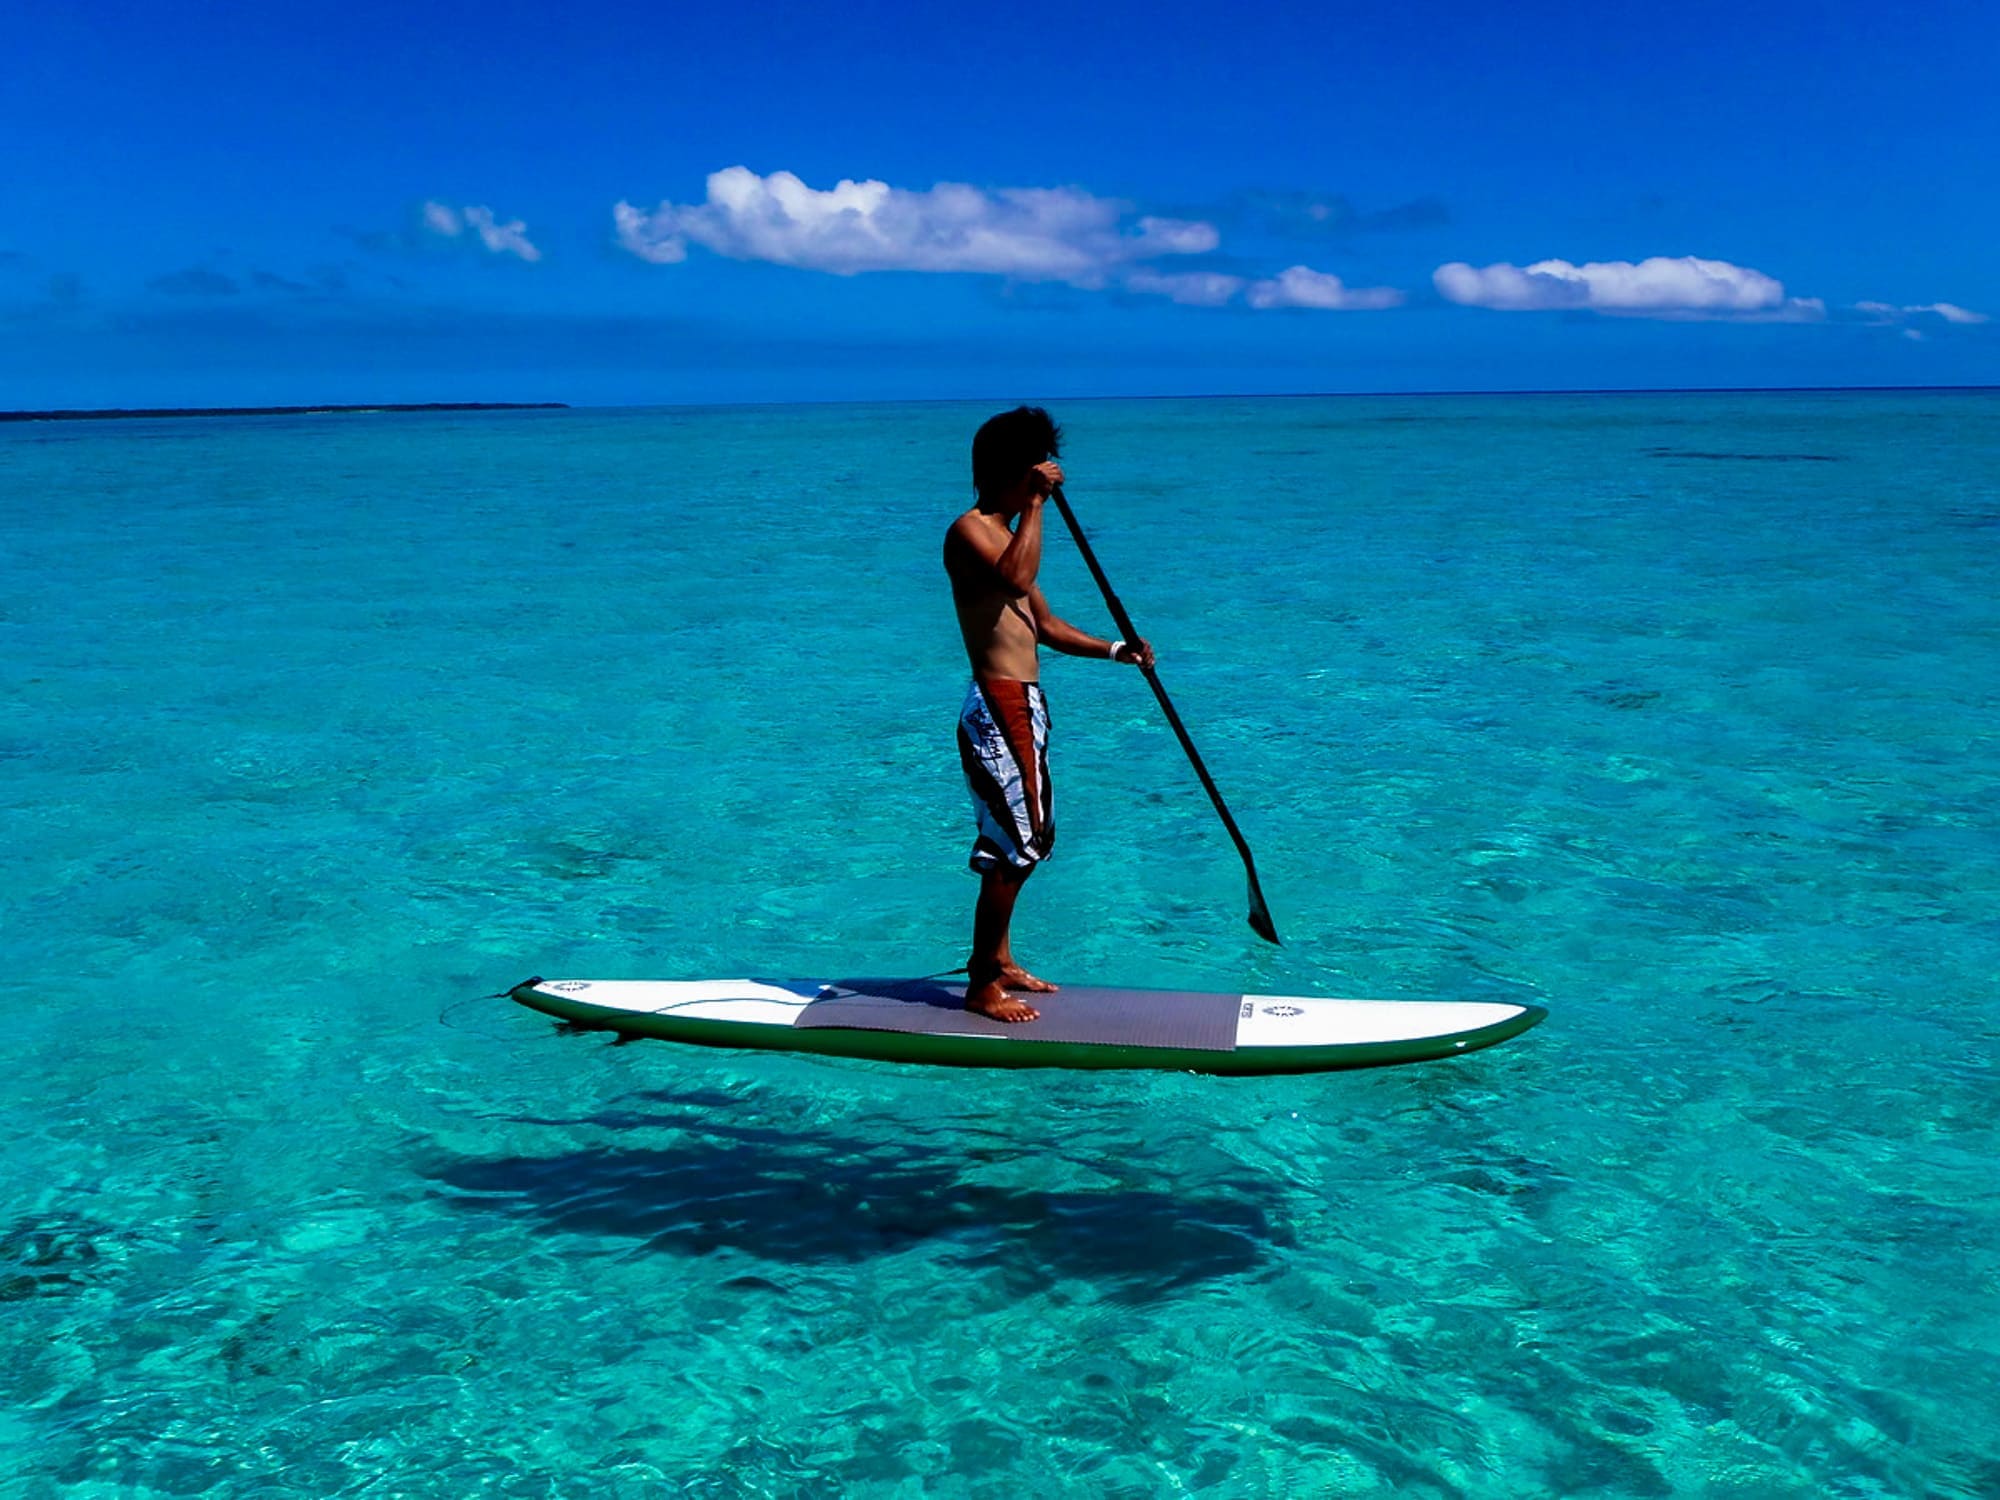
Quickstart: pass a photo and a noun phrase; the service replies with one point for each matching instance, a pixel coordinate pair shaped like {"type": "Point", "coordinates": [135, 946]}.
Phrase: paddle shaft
{"type": "Point", "coordinates": [1260, 914]}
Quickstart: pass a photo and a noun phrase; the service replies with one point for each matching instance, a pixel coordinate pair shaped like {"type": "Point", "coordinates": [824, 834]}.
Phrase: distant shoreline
{"type": "Point", "coordinates": [120, 413]}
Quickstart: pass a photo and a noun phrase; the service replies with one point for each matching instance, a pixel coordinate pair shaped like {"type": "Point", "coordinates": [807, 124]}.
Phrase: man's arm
{"type": "Point", "coordinates": [1059, 635]}
{"type": "Point", "coordinates": [1020, 559]}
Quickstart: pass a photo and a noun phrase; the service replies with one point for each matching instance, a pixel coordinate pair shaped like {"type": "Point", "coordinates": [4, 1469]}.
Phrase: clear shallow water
{"type": "Point", "coordinates": [1671, 713]}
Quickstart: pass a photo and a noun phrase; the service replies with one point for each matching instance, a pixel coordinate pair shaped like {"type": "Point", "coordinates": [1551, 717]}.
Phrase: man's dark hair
{"type": "Point", "coordinates": [1009, 445]}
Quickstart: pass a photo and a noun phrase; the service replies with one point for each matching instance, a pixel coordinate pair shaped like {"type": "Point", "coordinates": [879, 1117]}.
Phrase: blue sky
{"type": "Point", "coordinates": [232, 204]}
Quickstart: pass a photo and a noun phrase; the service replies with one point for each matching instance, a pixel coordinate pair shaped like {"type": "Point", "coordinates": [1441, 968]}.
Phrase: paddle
{"type": "Point", "coordinates": [1260, 914]}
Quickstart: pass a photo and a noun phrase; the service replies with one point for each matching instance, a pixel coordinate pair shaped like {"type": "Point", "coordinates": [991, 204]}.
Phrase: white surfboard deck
{"type": "Point", "coordinates": [924, 1021]}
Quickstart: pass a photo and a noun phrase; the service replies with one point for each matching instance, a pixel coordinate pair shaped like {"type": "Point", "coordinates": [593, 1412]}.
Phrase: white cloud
{"type": "Point", "coordinates": [1950, 312]}
{"type": "Point", "coordinates": [1684, 286]}
{"type": "Point", "coordinates": [1035, 234]}
{"type": "Point", "coordinates": [1190, 288]}
{"type": "Point", "coordinates": [1888, 314]}
{"type": "Point", "coordinates": [1178, 236]}
{"type": "Point", "coordinates": [1301, 286]}
{"type": "Point", "coordinates": [510, 238]}
{"type": "Point", "coordinates": [502, 239]}
{"type": "Point", "coordinates": [637, 233]}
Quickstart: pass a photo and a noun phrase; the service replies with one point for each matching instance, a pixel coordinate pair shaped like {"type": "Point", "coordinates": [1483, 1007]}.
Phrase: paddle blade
{"type": "Point", "coordinates": [1260, 919]}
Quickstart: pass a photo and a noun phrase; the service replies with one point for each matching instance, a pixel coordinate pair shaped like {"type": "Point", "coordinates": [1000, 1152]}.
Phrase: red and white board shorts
{"type": "Point", "coordinates": [1003, 744]}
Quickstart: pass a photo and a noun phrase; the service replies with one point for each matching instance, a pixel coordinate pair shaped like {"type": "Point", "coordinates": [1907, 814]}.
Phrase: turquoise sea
{"type": "Point", "coordinates": [1675, 714]}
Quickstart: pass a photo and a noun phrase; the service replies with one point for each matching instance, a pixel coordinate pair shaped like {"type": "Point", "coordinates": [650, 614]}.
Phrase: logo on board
{"type": "Point", "coordinates": [1284, 1010]}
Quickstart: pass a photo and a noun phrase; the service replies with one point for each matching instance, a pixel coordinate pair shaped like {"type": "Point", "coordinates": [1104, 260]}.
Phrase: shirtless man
{"type": "Point", "coordinates": [992, 554]}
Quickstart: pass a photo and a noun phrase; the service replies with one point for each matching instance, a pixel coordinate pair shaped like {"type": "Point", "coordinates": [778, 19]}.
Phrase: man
{"type": "Point", "coordinates": [992, 554]}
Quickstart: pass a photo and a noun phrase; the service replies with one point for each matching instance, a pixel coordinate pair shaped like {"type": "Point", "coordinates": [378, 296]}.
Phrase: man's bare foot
{"type": "Point", "coordinates": [1017, 978]}
{"type": "Point", "coordinates": [986, 994]}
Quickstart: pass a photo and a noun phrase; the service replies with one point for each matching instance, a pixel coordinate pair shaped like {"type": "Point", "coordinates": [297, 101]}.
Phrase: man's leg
{"type": "Point", "coordinates": [987, 971]}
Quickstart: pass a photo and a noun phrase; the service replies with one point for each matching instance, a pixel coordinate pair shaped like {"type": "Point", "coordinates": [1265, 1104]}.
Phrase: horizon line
{"type": "Point", "coordinates": [353, 408]}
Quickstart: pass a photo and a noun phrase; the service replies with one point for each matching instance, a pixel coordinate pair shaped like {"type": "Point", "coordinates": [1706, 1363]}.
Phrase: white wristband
{"type": "Point", "coordinates": [1116, 647]}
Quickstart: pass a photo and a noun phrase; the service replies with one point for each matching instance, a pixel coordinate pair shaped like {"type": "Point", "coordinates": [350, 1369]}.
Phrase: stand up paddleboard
{"type": "Point", "coordinates": [923, 1021]}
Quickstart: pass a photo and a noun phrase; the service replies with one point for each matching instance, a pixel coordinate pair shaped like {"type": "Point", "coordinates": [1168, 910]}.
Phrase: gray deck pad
{"type": "Point", "coordinates": [1111, 1018]}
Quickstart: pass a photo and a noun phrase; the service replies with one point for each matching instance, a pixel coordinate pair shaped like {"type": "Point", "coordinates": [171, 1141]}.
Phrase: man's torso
{"type": "Point", "coordinates": [997, 623]}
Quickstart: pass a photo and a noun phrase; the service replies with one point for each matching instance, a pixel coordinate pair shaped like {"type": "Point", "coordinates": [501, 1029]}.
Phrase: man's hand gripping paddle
{"type": "Point", "coordinates": [1260, 914]}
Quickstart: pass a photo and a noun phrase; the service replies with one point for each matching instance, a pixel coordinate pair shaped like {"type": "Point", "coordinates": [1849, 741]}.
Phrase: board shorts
{"type": "Point", "coordinates": [1003, 745]}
